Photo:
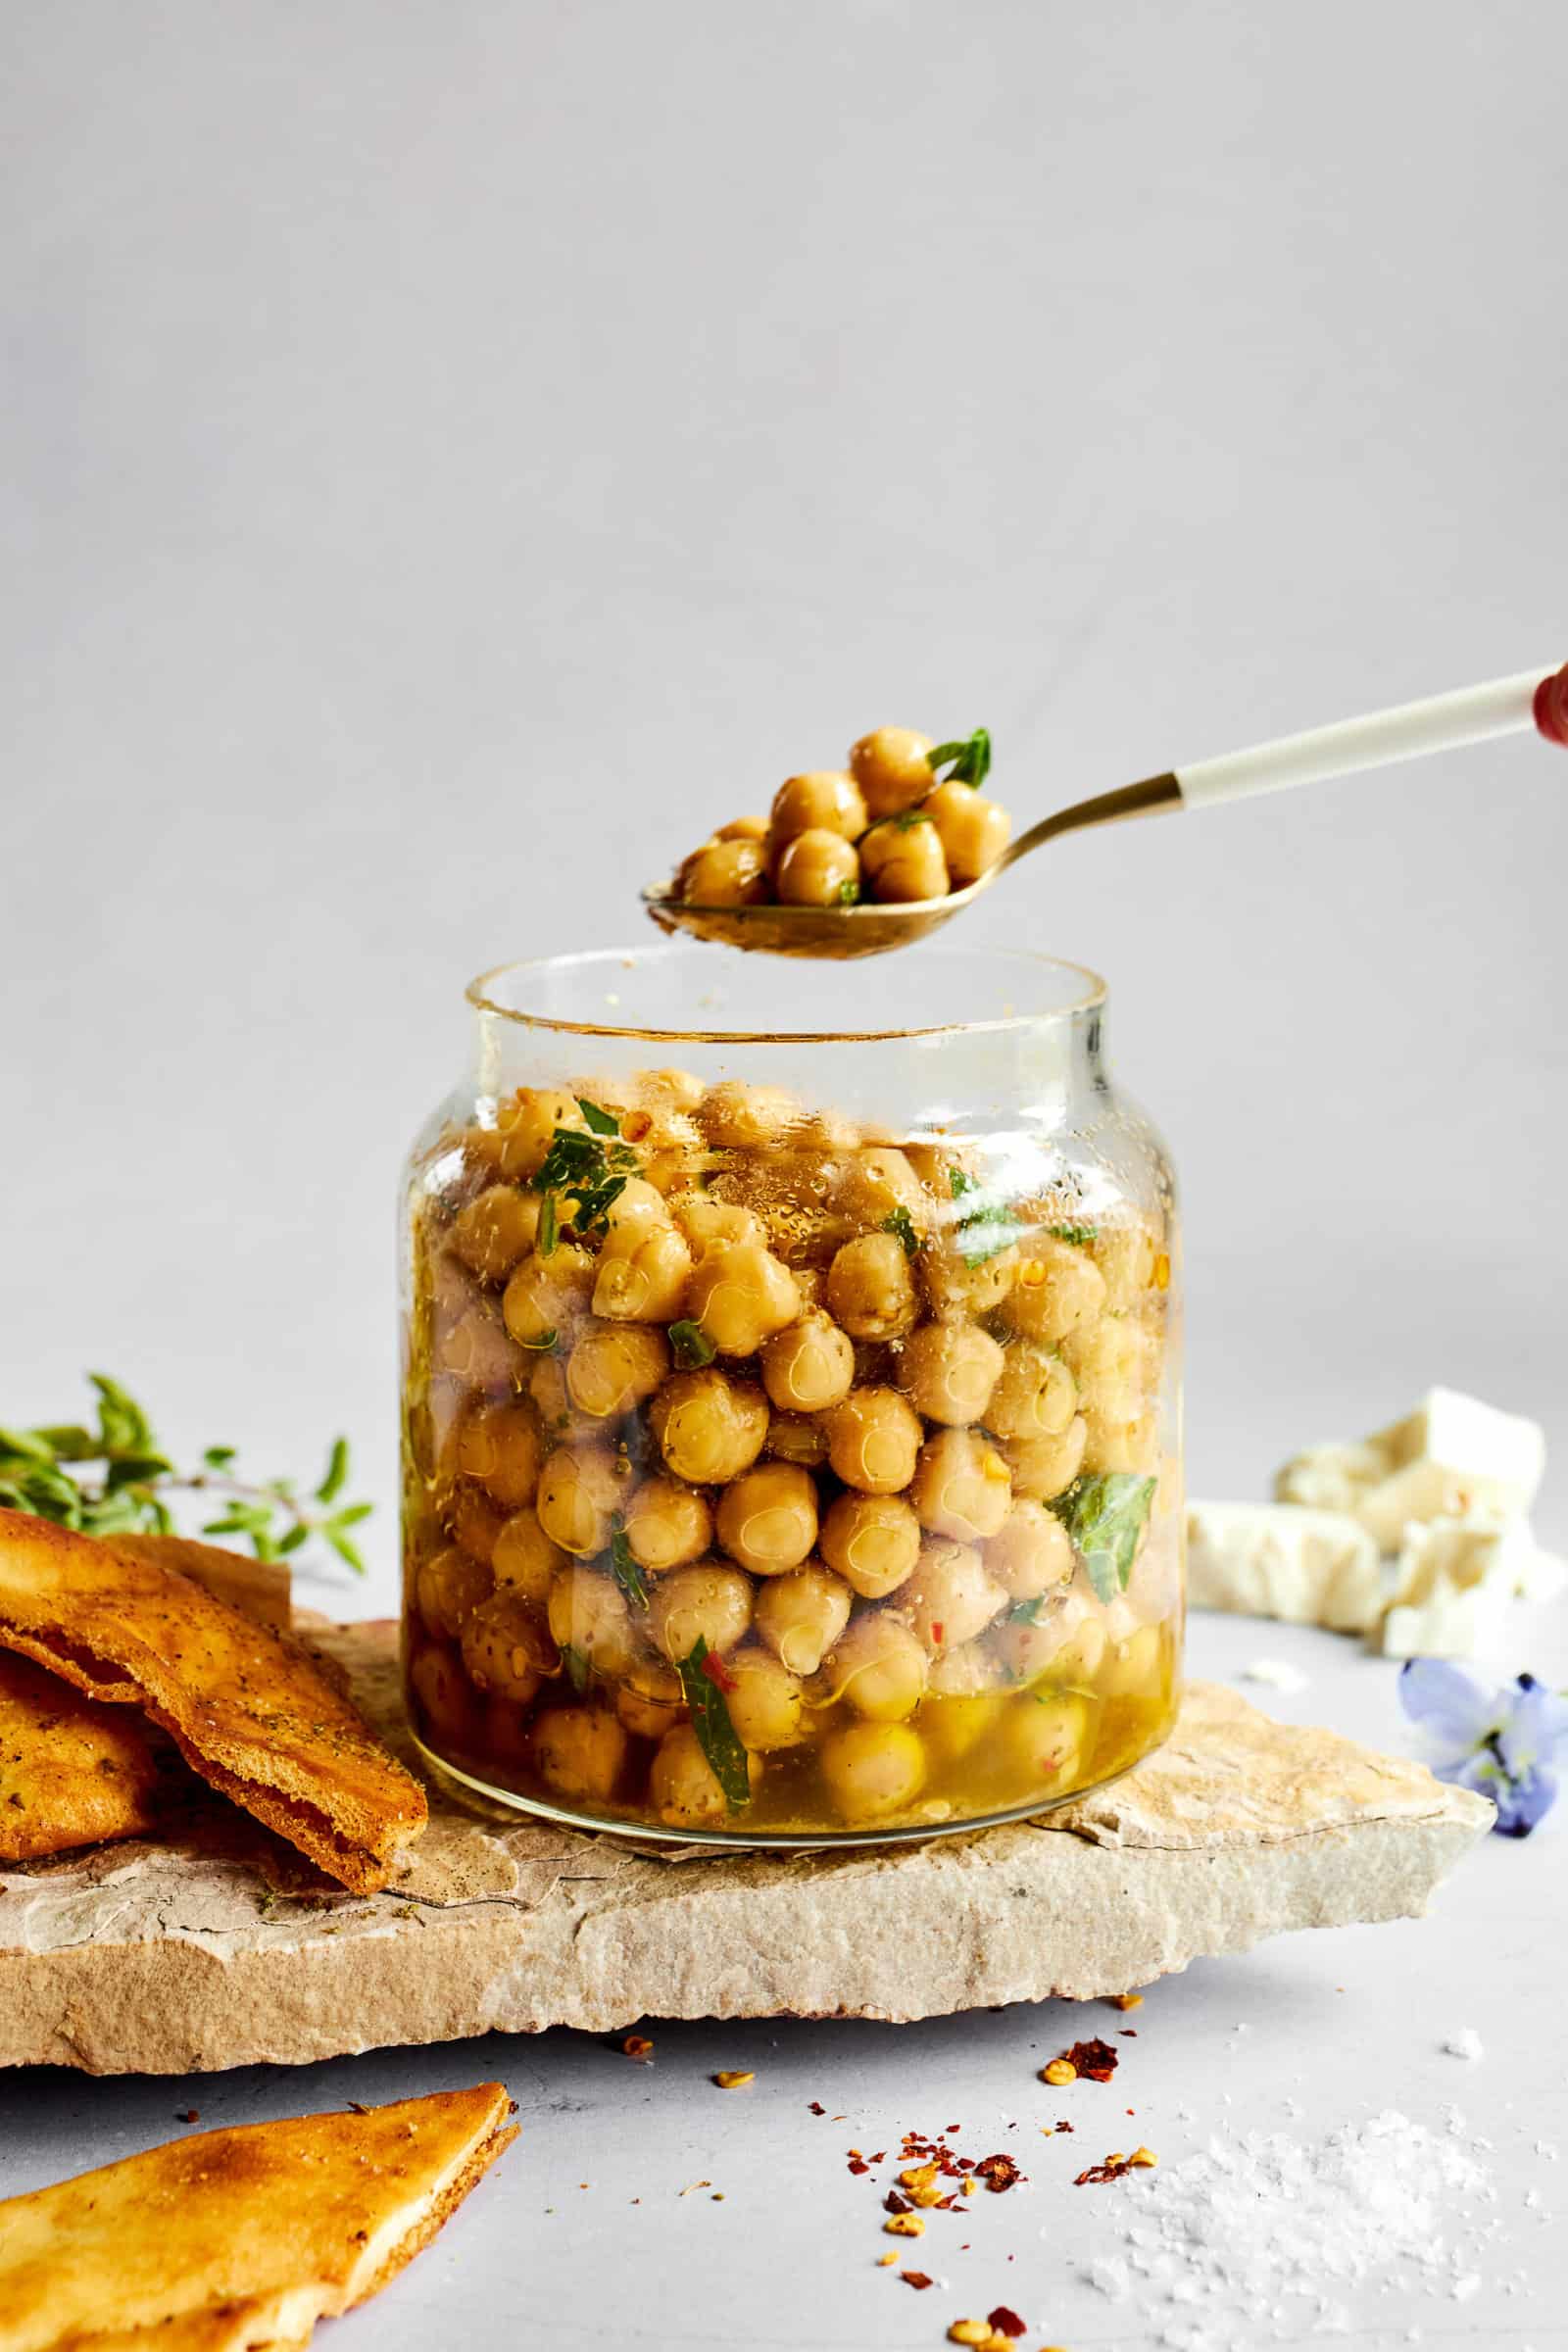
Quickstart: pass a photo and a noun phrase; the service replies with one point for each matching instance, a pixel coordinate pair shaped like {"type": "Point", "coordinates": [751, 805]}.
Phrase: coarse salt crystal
{"type": "Point", "coordinates": [1276, 1675]}
{"type": "Point", "coordinates": [1466, 2043]}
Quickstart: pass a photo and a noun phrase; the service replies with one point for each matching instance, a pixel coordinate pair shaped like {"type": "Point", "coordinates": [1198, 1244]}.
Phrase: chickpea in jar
{"type": "Point", "coordinates": [776, 1474]}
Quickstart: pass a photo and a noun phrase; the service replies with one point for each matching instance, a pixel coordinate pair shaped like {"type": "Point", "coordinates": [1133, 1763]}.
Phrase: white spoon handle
{"type": "Point", "coordinates": [1504, 707]}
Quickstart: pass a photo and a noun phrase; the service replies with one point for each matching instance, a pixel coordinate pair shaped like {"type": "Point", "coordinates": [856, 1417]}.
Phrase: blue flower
{"type": "Point", "coordinates": [1499, 1742]}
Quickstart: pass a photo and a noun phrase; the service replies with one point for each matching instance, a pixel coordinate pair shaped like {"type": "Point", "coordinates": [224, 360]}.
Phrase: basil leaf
{"type": "Point", "coordinates": [576, 1666]}
{"type": "Point", "coordinates": [716, 1734]}
{"type": "Point", "coordinates": [691, 1345]}
{"type": "Point", "coordinates": [899, 1222]}
{"type": "Point", "coordinates": [967, 762]}
{"type": "Point", "coordinates": [627, 1574]}
{"type": "Point", "coordinates": [1076, 1233]}
{"type": "Point", "coordinates": [549, 1233]}
{"type": "Point", "coordinates": [544, 1344]}
{"type": "Point", "coordinates": [1105, 1515]}
{"type": "Point", "coordinates": [599, 1119]}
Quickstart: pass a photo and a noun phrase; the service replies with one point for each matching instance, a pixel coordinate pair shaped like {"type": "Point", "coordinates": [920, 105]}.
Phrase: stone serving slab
{"type": "Point", "coordinates": [220, 1950]}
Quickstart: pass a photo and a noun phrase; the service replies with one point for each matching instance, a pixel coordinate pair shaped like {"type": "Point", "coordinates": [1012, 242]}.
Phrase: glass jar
{"type": "Point", "coordinates": [791, 1439]}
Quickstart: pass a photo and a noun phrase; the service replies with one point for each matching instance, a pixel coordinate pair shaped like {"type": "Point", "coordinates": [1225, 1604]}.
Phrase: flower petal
{"type": "Point", "coordinates": [1521, 1805]}
{"type": "Point", "coordinates": [1448, 1702]}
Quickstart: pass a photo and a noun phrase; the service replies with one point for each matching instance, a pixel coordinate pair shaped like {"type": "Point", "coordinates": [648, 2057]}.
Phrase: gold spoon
{"type": "Point", "coordinates": [1473, 715]}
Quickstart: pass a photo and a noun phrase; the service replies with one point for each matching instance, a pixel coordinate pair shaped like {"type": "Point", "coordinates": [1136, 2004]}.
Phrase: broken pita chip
{"type": "Point", "coordinates": [71, 1773]}
{"type": "Point", "coordinates": [247, 1708]}
{"type": "Point", "coordinates": [307, 2215]}
{"type": "Point", "coordinates": [261, 1588]}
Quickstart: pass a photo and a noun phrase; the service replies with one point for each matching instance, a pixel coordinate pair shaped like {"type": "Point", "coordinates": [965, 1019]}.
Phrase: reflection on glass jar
{"type": "Point", "coordinates": [792, 1436]}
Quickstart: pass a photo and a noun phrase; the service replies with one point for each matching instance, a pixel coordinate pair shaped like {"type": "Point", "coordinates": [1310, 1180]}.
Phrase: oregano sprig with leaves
{"type": "Point", "coordinates": [967, 762]}
{"type": "Point", "coordinates": [590, 1169]}
{"type": "Point", "coordinates": [115, 1478]}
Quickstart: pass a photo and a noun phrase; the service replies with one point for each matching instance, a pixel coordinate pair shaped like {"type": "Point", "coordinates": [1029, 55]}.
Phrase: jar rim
{"type": "Point", "coordinates": [480, 993]}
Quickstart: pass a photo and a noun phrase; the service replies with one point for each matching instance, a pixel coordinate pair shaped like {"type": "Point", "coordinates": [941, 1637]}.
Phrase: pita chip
{"type": "Point", "coordinates": [198, 2243]}
{"type": "Point", "coordinates": [71, 1773]}
{"type": "Point", "coordinates": [258, 1588]}
{"type": "Point", "coordinates": [246, 1705]}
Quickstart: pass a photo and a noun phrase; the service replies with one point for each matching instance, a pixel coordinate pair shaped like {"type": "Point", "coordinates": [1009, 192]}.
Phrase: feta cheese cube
{"type": "Point", "coordinates": [1263, 1559]}
{"type": "Point", "coordinates": [1453, 1455]}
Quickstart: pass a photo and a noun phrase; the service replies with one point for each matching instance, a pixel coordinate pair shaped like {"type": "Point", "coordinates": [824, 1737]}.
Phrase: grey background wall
{"type": "Point", "coordinates": [457, 452]}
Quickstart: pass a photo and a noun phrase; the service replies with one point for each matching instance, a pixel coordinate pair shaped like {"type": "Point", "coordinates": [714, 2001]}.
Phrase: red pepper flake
{"type": "Point", "coordinates": [894, 2203]}
{"type": "Point", "coordinates": [857, 2164]}
{"type": "Point", "coordinates": [639, 2048]}
{"type": "Point", "coordinates": [936, 1631]}
{"type": "Point", "coordinates": [998, 2173]}
{"type": "Point", "coordinates": [1062, 2123]}
{"type": "Point", "coordinates": [1113, 2168]}
{"type": "Point", "coordinates": [952, 2126]}
{"type": "Point", "coordinates": [1127, 2033]}
{"type": "Point", "coordinates": [1003, 2320]}
{"type": "Point", "coordinates": [816, 2108]}
{"type": "Point", "coordinates": [193, 2115]}
{"type": "Point", "coordinates": [1096, 2061]}
{"type": "Point", "coordinates": [918, 2279]}
{"type": "Point", "coordinates": [878, 2157]}
{"type": "Point", "coordinates": [718, 1672]}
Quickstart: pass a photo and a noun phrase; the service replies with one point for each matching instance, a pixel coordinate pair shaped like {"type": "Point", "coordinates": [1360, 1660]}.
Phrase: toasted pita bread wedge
{"type": "Point", "coordinates": [312, 2216]}
{"type": "Point", "coordinates": [247, 1707]}
{"type": "Point", "coordinates": [261, 2323]}
{"type": "Point", "coordinates": [71, 1773]}
{"type": "Point", "coordinates": [258, 1588]}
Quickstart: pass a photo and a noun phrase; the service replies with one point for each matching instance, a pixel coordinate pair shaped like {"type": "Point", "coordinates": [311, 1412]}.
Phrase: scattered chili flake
{"type": "Point", "coordinates": [1126, 2032]}
{"type": "Point", "coordinates": [691, 2184]}
{"type": "Point", "coordinates": [936, 1631]}
{"type": "Point", "coordinates": [816, 2108]}
{"type": "Point", "coordinates": [998, 2173]}
{"type": "Point", "coordinates": [904, 2225]}
{"type": "Point", "coordinates": [919, 2280]}
{"type": "Point", "coordinates": [193, 2115]}
{"type": "Point", "coordinates": [857, 2164]}
{"type": "Point", "coordinates": [884, 2262]}
{"type": "Point", "coordinates": [1005, 2321]}
{"type": "Point", "coordinates": [969, 2187]}
{"type": "Point", "coordinates": [1115, 2166]}
{"type": "Point", "coordinates": [734, 2078]}
{"type": "Point", "coordinates": [638, 2046]}
{"type": "Point", "coordinates": [894, 2203]}
{"type": "Point", "coordinates": [716, 1671]}
{"type": "Point", "coordinates": [1144, 2158]}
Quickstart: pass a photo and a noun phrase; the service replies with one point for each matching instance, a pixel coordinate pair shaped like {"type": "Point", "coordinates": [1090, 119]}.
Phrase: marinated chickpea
{"type": "Point", "coordinates": [516, 1146]}
{"type": "Point", "coordinates": [1027, 1648]}
{"type": "Point", "coordinates": [873, 1440]}
{"type": "Point", "coordinates": [681, 1785]}
{"type": "Point", "coordinates": [801, 1615]}
{"type": "Point", "coordinates": [1114, 1443]}
{"type": "Point", "coordinates": [493, 1231]}
{"type": "Point", "coordinates": [892, 766]}
{"type": "Point", "coordinates": [443, 1696]}
{"type": "Point", "coordinates": [581, 1489]}
{"type": "Point", "coordinates": [1058, 1287]}
{"type": "Point", "coordinates": [951, 1598]}
{"type": "Point", "coordinates": [507, 1649]}
{"type": "Point", "coordinates": [668, 1525]}
{"type": "Point", "coordinates": [1035, 1395]}
{"type": "Point", "coordinates": [767, 1518]}
{"type": "Point", "coordinates": [824, 800]}
{"type": "Point", "coordinates": [526, 1559]}
{"type": "Point", "coordinates": [476, 1348]}
{"type": "Point", "coordinates": [876, 1182]}
{"type": "Point", "coordinates": [873, 1769]}
{"type": "Point", "coordinates": [710, 1602]}
{"type": "Point", "coordinates": [1109, 1359]}
{"type": "Point", "coordinates": [548, 1295]}
{"type": "Point", "coordinates": [956, 1288]}
{"type": "Point", "coordinates": [808, 1365]}
{"type": "Point", "coordinates": [741, 1296]}
{"type": "Point", "coordinates": [1133, 1664]}
{"type": "Point", "coordinates": [901, 859]}
{"type": "Point", "coordinates": [559, 1417]}
{"type": "Point", "coordinates": [973, 830]}
{"type": "Point", "coordinates": [580, 1752]}
{"type": "Point", "coordinates": [476, 1524]}
{"type": "Point", "coordinates": [448, 1587]}
{"type": "Point", "coordinates": [710, 1224]}
{"type": "Point", "coordinates": [1031, 1553]}
{"type": "Point", "coordinates": [724, 873]}
{"type": "Point", "coordinates": [498, 1446]}
{"type": "Point", "coordinates": [797, 1438]}
{"type": "Point", "coordinates": [969, 1671]}
{"type": "Point", "coordinates": [647, 1282]}
{"type": "Point", "coordinates": [615, 1366]}
{"type": "Point", "coordinates": [1126, 1256]}
{"type": "Point", "coordinates": [878, 1667]}
{"type": "Point", "coordinates": [588, 1614]}
{"type": "Point", "coordinates": [707, 1427]}
{"type": "Point", "coordinates": [1079, 1659]}
{"type": "Point", "coordinates": [872, 1540]}
{"type": "Point", "coordinates": [816, 869]}
{"type": "Point", "coordinates": [951, 1371]}
{"type": "Point", "coordinates": [962, 1487]}
{"type": "Point", "coordinates": [1045, 1738]}
{"type": "Point", "coordinates": [740, 828]}
{"type": "Point", "coordinates": [650, 1700]}
{"type": "Point", "coordinates": [1045, 1467]}
{"type": "Point", "coordinates": [638, 1209]}
{"type": "Point", "coordinates": [870, 1288]}
{"type": "Point", "coordinates": [737, 1115]}
{"type": "Point", "coordinates": [958, 1722]}
{"type": "Point", "coordinates": [763, 1700]}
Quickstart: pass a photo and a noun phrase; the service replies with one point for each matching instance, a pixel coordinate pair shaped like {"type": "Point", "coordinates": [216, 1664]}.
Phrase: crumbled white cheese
{"type": "Point", "coordinates": [1265, 1559]}
{"type": "Point", "coordinates": [1275, 1673]}
{"type": "Point", "coordinates": [1451, 1457]}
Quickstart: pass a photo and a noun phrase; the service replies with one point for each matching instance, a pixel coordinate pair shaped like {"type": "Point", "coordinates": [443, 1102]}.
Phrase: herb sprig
{"type": "Point", "coordinates": [967, 762]}
{"type": "Point", "coordinates": [1106, 1517]}
{"type": "Point", "coordinates": [625, 1568]}
{"type": "Point", "coordinates": [901, 1224]}
{"type": "Point", "coordinates": [691, 1345]}
{"type": "Point", "coordinates": [716, 1737]}
{"type": "Point", "coordinates": [586, 1168]}
{"type": "Point", "coordinates": [987, 1226]}
{"type": "Point", "coordinates": [115, 1478]}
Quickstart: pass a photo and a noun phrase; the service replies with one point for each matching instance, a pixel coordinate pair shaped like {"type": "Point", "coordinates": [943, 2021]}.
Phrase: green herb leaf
{"type": "Point", "coordinates": [69, 1443]}
{"type": "Point", "coordinates": [1031, 1612]}
{"type": "Point", "coordinates": [593, 1171]}
{"type": "Point", "coordinates": [1076, 1233]}
{"type": "Point", "coordinates": [544, 1344]}
{"type": "Point", "coordinates": [1106, 1517]}
{"type": "Point", "coordinates": [716, 1734]}
{"type": "Point", "coordinates": [691, 1345]}
{"type": "Point", "coordinates": [967, 762]}
{"type": "Point", "coordinates": [546, 1237]}
{"type": "Point", "coordinates": [627, 1574]}
{"type": "Point", "coordinates": [988, 1227]}
{"type": "Point", "coordinates": [600, 1120]}
{"type": "Point", "coordinates": [899, 1222]}
{"type": "Point", "coordinates": [26, 1445]}
{"type": "Point", "coordinates": [123, 1426]}
{"type": "Point", "coordinates": [337, 1470]}
{"type": "Point", "coordinates": [576, 1666]}
{"type": "Point", "coordinates": [219, 1457]}
{"type": "Point", "coordinates": [848, 894]}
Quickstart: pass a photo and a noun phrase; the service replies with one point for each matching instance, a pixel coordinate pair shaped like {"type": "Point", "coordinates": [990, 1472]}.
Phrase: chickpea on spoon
{"type": "Point", "coordinates": [857, 861]}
